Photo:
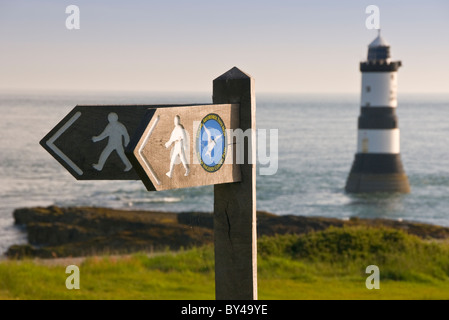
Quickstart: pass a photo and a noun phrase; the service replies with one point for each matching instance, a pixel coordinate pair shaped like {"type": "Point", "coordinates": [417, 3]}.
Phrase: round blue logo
{"type": "Point", "coordinates": [211, 142]}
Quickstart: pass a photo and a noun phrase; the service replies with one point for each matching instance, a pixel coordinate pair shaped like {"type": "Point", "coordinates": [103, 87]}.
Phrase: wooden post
{"type": "Point", "coordinates": [235, 203]}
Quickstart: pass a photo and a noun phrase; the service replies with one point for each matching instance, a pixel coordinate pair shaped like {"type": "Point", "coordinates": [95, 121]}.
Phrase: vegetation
{"type": "Point", "coordinates": [80, 231]}
{"type": "Point", "coordinates": [328, 264]}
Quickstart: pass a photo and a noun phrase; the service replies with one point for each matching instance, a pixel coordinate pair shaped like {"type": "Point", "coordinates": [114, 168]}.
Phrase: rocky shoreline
{"type": "Point", "coordinates": [81, 231]}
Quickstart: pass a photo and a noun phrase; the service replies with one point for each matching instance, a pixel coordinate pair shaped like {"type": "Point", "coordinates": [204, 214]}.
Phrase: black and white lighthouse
{"type": "Point", "coordinates": [377, 166]}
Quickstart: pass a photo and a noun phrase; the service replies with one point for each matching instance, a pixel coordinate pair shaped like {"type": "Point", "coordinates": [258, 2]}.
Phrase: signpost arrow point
{"type": "Point", "coordinates": [89, 142]}
{"type": "Point", "coordinates": [185, 146]}
{"type": "Point", "coordinates": [143, 145]}
{"type": "Point", "coordinates": [51, 143]}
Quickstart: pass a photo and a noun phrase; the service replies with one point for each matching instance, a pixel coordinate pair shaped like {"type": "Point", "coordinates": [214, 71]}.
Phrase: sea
{"type": "Point", "coordinates": [313, 154]}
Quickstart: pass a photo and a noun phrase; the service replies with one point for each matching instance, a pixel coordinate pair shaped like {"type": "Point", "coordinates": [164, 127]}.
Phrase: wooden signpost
{"type": "Point", "coordinates": [235, 234]}
{"type": "Point", "coordinates": [90, 141]}
{"type": "Point", "coordinates": [179, 146]}
{"type": "Point", "coordinates": [188, 146]}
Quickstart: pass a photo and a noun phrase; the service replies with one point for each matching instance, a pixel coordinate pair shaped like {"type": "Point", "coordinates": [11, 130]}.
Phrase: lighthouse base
{"type": "Point", "coordinates": [367, 183]}
{"type": "Point", "coordinates": [377, 173]}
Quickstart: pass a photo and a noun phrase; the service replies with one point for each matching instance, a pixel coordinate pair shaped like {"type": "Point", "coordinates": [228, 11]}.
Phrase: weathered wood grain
{"type": "Point", "coordinates": [151, 156]}
{"type": "Point", "coordinates": [235, 203]}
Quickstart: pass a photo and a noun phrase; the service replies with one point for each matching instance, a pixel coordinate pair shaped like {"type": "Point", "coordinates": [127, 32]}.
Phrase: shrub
{"type": "Point", "coordinates": [399, 256]}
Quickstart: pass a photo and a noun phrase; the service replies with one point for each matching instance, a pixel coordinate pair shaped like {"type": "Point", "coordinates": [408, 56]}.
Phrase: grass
{"type": "Point", "coordinates": [324, 265]}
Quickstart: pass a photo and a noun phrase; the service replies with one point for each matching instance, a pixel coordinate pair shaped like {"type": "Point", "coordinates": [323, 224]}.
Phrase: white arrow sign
{"type": "Point", "coordinates": [181, 147]}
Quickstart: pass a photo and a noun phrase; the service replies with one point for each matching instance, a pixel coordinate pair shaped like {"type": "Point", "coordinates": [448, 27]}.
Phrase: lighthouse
{"type": "Point", "coordinates": [377, 166]}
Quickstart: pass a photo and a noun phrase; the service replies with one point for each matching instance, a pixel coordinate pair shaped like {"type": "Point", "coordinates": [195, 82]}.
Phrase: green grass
{"type": "Point", "coordinates": [323, 265]}
{"type": "Point", "coordinates": [332, 265]}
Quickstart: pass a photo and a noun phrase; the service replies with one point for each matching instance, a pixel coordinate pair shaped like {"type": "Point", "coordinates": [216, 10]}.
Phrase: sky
{"type": "Point", "coordinates": [181, 46]}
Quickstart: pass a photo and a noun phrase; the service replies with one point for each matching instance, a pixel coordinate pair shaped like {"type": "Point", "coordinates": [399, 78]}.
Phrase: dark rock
{"type": "Point", "coordinates": [58, 232]}
{"type": "Point", "coordinates": [78, 231]}
{"type": "Point", "coordinates": [197, 219]}
{"type": "Point", "coordinates": [21, 251]}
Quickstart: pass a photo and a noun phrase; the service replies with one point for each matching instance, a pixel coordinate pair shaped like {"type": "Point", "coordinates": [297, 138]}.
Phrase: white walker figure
{"type": "Point", "coordinates": [211, 142]}
{"type": "Point", "coordinates": [179, 138]}
{"type": "Point", "coordinates": [118, 138]}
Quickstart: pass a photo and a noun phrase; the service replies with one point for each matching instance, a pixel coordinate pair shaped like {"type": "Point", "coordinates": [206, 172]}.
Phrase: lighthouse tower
{"type": "Point", "coordinates": [377, 166]}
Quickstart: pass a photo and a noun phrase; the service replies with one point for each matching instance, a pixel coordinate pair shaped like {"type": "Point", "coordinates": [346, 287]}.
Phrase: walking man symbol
{"type": "Point", "coordinates": [118, 138]}
{"type": "Point", "coordinates": [179, 138]}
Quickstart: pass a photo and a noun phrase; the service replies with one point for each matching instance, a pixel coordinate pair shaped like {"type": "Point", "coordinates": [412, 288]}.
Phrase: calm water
{"type": "Point", "coordinates": [317, 141]}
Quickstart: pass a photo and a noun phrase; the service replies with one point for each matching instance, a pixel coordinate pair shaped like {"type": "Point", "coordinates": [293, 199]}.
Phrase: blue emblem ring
{"type": "Point", "coordinates": [211, 142]}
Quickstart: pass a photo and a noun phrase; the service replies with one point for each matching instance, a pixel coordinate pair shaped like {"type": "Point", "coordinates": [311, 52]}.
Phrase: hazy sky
{"type": "Point", "coordinates": [287, 46]}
